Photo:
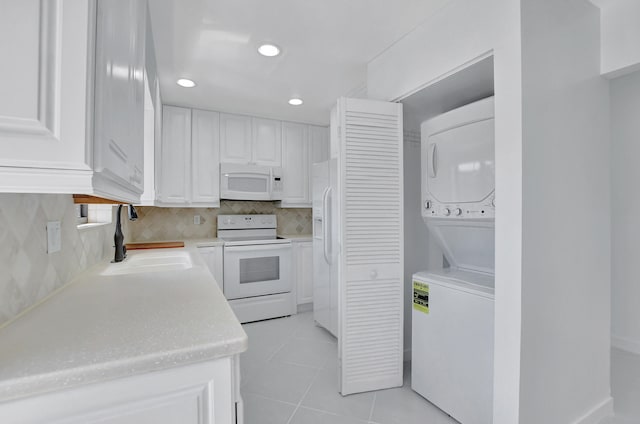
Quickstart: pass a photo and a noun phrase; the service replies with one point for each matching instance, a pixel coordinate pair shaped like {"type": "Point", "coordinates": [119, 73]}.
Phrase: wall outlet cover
{"type": "Point", "coordinates": [54, 237]}
{"type": "Point", "coordinates": [196, 219]}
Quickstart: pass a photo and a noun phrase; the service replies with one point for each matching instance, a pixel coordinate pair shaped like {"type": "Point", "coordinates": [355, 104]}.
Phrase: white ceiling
{"type": "Point", "coordinates": [326, 45]}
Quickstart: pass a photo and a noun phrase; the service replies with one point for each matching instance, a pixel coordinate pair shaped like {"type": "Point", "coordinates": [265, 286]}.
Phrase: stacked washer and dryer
{"type": "Point", "coordinates": [453, 307]}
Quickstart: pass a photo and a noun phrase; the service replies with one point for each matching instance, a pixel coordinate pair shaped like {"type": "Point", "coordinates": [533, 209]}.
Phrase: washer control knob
{"type": "Point", "coordinates": [458, 212]}
{"type": "Point", "coordinates": [446, 211]}
{"type": "Point", "coordinates": [427, 204]}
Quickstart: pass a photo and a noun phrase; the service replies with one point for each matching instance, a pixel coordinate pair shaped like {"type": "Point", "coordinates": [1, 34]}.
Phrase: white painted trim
{"type": "Point", "coordinates": [30, 180]}
{"type": "Point", "coordinates": [599, 412]}
{"type": "Point", "coordinates": [622, 71]}
{"type": "Point", "coordinates": [625, 344]}
{"type": "Point", "coordinates": [305, 307]}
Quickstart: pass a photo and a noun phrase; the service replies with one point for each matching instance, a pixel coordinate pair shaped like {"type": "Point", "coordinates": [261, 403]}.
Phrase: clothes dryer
{"type": "Point", "coordinates": [453, 307]}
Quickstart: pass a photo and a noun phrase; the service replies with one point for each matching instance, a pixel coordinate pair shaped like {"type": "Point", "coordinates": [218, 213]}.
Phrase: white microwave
{"type": "Point", "coordinates": [250, 182]}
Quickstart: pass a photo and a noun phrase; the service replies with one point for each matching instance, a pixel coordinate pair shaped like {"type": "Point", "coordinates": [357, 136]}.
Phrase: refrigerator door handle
{"type": "Point", "coordinates": [325, 225]}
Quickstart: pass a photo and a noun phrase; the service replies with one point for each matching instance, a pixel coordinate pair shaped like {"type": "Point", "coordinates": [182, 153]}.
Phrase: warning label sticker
{"type": "Point", "coordinates": [421, 297]}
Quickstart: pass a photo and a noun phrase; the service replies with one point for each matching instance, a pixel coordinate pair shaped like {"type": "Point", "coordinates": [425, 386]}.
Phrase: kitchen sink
{"type": "Point", "coordinates": [149, 262]}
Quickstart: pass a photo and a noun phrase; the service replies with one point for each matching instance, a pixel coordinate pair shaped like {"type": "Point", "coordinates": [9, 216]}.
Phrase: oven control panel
{"type": "Point", "coordinates": [235, 222]}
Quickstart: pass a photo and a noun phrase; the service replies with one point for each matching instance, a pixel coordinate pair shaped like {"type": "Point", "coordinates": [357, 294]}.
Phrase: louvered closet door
{"type": "Point", "coordinates": [371, 288]}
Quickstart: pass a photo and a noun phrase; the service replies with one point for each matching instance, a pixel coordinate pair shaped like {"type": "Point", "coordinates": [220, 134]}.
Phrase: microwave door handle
{"type": "Point", "coordinates": [325, 225]}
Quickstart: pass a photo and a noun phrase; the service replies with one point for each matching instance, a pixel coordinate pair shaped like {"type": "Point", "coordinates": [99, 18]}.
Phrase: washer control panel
{"type": "Point", "coordinates": [484, 209]}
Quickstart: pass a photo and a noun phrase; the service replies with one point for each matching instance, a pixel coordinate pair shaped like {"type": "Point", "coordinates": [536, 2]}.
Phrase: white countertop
{"type": "Point", "coordinates": [297, 237]}
{"type": "Point", "coordinates": [102, 327]}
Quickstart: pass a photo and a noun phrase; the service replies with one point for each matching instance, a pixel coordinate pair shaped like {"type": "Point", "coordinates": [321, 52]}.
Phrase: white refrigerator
{"type": "Point", "coordinates": [325, 244]}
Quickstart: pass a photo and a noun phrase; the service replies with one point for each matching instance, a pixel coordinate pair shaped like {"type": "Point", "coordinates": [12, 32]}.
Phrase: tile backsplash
{"type": "Point", "coordinates": [28, 273]}
{"type": "Point", "coordinates": [156, 224]}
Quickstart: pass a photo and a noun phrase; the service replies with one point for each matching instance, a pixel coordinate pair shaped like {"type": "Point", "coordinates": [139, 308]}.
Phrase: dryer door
{"type": "Point", "coordinates": [460, 163]}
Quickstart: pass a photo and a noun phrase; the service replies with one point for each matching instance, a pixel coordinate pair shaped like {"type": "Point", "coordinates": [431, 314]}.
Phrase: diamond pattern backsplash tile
{"type": "Point", "coordinates": [160, 224]}
{"type": "Point", "coordinates": [28, 273]}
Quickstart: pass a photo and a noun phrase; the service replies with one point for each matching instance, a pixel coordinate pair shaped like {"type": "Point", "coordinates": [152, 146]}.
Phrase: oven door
{"type": "Point", "coordinates": [257, 270]}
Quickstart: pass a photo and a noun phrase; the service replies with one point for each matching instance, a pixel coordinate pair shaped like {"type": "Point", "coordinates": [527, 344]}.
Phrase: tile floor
{"type": "Point", "coordinates": [290, 376]}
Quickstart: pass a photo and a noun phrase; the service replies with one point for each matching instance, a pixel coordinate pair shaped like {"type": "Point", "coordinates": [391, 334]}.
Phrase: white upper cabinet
{"type": "Point", "coordinates": [235, 138]}
{"type": "Point", "coordinates": [189, 173]}
{"type": "Point", "coordinates": [250, 140]}
{"type": "Point", "coordinates": [205, 158]}
{"type": "Point", "coordinates": [175, 153]}
{"type": "Point", "coordinates": [44, 86]}
{"type": "Point", "coordinates": [47, 98]}
{"type": "Point", "coordinates": [119, 94]}
{"type": "Point", "coordinates": [295, 165]}
{"type": "Point", "coordinates": [318, 143]}
{"type": "Point", "coordinates": [267, 142]}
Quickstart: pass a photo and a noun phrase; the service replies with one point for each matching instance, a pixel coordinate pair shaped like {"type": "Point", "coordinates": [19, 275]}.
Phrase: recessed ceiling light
{"type": "Point", "coordinates": [187, 83]}
{"type": "Point", "coordinates": [269, 50]}
{"type": "Point", "coordinates": [295, 102]}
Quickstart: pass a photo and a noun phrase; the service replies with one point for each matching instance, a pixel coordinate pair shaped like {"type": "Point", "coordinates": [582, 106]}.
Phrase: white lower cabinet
{"type": "Point", "coordinates": [213, 257]}
{"type": "Point", "coordinates": [303, 271]}
{"type": "Point", "coordinates": [202, 393]}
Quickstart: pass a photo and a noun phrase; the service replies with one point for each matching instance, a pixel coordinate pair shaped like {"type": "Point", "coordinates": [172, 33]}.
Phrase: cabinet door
{"type": "Point", "coordinates": [267, 142]}
{"type": "Point", "coordinates": [119, 112]}
{"type": "Point", "coordinates": [205, 157]}
{"type": "Point", "coordinates": [318, 143]}
{"type": "Point", "coordinates": [213, 258]}
{"type": "Point", "coordinates": [43, 94]}
{"type": "Point", "coordinates": [176, 155]}
{"type": "Point", "coordinates": [235, 138]}
{"type": "Point", "coordinates": [295, 165]}
{"type": "Point", "coordinates": [304, 272]}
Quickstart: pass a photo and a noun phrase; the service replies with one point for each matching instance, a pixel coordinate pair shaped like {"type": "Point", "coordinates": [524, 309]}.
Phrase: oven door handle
{"type": "Point", "coordinates": [258, 247]}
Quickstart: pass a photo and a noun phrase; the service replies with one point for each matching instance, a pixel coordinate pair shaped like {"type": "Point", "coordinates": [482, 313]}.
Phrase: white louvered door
{"type": "Point", "coordinates": [371, 260]}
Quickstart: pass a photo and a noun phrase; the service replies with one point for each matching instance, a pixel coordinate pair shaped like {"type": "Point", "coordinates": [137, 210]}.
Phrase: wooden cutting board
{"type": "Point", "coordinates": [155, 245]}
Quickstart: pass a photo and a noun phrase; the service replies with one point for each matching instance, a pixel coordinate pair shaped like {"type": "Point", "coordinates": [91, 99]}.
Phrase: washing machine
{"type": "Point", "coordinates": [453, 307]}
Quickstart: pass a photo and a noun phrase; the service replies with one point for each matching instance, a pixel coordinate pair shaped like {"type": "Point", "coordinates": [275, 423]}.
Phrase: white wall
{"type": "Point", "coordinates": [565, 224]}
{"type": "Point", "coordinates": [552, 237]}
{"type": "Point", "coordinates": [625, 199]}
{"type": "Point", "coordinates": [458, 34]}
{"type": "Point", "coordinates": [418, 248]}
{"type": "Point", "coordinates": [620, 48]}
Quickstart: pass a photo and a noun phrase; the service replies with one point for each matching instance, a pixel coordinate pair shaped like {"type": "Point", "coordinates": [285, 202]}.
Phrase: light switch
{"type": "Point", "coordinates": [196, 219]}
{"type": "Point", "coordinates": [54, 237]}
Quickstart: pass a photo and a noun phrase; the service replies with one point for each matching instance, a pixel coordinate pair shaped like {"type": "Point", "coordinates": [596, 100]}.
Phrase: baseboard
{"type": "Point", "coordinates": [305, 307]}
{"type": "Point", "coordinates": [598, 413]}
{"type": "Point", "coordinates": [623, 343]}
{"type": "Point", "coordinates": [407, 355]}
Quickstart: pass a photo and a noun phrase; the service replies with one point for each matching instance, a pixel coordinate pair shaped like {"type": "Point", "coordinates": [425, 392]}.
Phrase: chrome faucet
{"type": "Point", "coordinates": [118, 237]}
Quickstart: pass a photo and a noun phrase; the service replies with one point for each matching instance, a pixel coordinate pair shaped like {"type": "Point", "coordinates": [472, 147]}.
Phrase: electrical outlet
{"type": "Point", "coordinates": [196, 219]}
{"type": "Point", "coordinates": [54, 237]}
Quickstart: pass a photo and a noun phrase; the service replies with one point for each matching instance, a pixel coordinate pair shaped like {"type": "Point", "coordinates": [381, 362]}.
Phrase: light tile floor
{"type": "Point", "coordinates": [290, 376]}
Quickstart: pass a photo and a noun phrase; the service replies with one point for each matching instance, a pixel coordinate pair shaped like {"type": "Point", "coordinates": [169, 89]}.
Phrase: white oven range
{"type": "Point", "coordinates": [257, 267]}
